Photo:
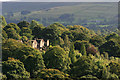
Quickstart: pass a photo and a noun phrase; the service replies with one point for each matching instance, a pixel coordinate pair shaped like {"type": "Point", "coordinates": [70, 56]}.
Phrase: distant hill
{"type": "Point", "coordinates": [88, 14]}
{"type": "Point", "coordinates": [32, 6]}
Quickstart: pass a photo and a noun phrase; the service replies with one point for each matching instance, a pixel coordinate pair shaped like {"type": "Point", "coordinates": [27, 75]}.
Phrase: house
{"type": "Point", "coordinates": [33, 43]}
{"type": "Point", "coordinates": [39, 43]}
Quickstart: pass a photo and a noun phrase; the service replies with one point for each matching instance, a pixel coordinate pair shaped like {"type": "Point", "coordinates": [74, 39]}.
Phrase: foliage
{"type": "Point", "coordinates": [57, 58]}
{"type": "Point", "coordinates": [111, 47]}
{"type": "Point", "coordinates": [91, 49]}
{"type": "Point", "coordinates": [4, 23]}
{"type": "Point", "coordinates": [72, 54]}
{"type": "Point", "coordinates": [26, 30]}
{"type": "Point", "coordinates": [12, 25]}
{"type": "Point", "coordinates": [13, 48]}
{"type": "Point", "coordinates": [89, 77]}
{"type": "Point", "coordinates": [11, 32]}
{"type": "Point", "coordinates": [4, 34]}
{"type": "Point", "coordinates": [37, 30]}
{"type": "Point", "coordinates": [112, 35]}
{"type": "Point", "coordinates": [51, 73]}
{"type": "Point", "coordinates": [115, 68]}
{"type": "Point", "coordinates": [23, 24]}
{"type": "Point", "coordinates": [14, 69]}
{"type": "Point", "coordinates": [73, 49]}
{"type": "Point", "coordinates": [83, 66]}
{"type": "Point", "coordinates": [97, 40]}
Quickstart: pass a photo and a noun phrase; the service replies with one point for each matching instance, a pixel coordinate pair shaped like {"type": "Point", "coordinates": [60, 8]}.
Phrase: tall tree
{"type": "Point", "coordinates": [23, 24]}
{"type": "Point", "coordinates": [57, 58]}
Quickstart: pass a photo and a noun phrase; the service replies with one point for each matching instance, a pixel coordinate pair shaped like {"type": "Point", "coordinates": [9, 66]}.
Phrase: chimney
{"type": "Point", "coordinates": [47, 42]}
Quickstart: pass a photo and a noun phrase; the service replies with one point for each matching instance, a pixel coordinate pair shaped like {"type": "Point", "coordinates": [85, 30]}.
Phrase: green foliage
{"type": "Point", "coordinates": [66, 41]}
{"type": "Point", "coordinates": [50, 34]}
{"type": "Point", "coordinates": [72, 54]}
{"type": "Point", "coordinates": [35, 63]}
{"type": "Point", "coordinates": [4, 34]}
{"type": "Point", "coordinates": [112, 47]}
{"type": "Point", "coordinates": [13, 48]}
{"type": "Point", "coordinates": [57, 58]}
{"type": "Point", "coordinates": [75, 52]}
{"type": "Point", "coordinates": [69, 33]}
{"type": "Point", "coordinates": [97, 40]}
{"type": "Point", "coordinates": [28, 35]}
{"type": "Point", "coordinates": [81, 46]}
{"type": "Point", "coordinates": [3, 77]}
{"type": "Point", "coordinates": [51, 73]}
{"type": "Point", "coordinates": [89, 77]}
{"type": "Point", "coordinates": [14, 69]}
{"type": "Point", "coordinates": [53, 32]}
{"type": "Point", "coordinates": [12, 25]}
{"type": "Point", "coordinates": [4, 23]}
{"type": "Point", "coordinates": [33, 24]}
{"type": "Point", "coordinates": [83, 66]}
{"type": "Point", "coordinates": [80, 32]}
{"type": "Point", "coordinates": [23, 24]}
{"type": "Point", "coordinates": [37, 31]}
{"type": "Point", "coordinates": [60, 42]}
{"type": "Point", "coordinates": [24, 38]}
{"type": "Point", "coordinates": [112, 35]}
{"type": "Point", "coordinates": [26, 30]}
{"type": "Point", "coordinates": [11, 32]}
{"type": "Point", "coordinates": [115, 68]}
{"type": "Point", "coordinates": [83, 49]}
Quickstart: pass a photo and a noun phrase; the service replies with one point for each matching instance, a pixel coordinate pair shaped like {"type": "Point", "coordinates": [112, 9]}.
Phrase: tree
{"type": "Point", "coordinates": [12, 25]}
{"type": "Point", "coordinates": [25, 31]}
{"type": "Point", "coordinates": [51, 34]}
{"type": "Point", "coordinates": [97, 40]}
{"type": "Point", "coordinates": [28, 35]}
{"type": "Point", "coordinates": [83, 49]}
{"type": "Point", "coordinates": [81, 46]}
{"type": "Point", "coordinates": [38, 31]}
{"type": "Point", "coordinates": [33, 24]}
{"type": "Point", "coordinates": [89, 77]}
{"type": "Point", "coordinates": [83, 66]}
{"type": "Point", "coordinates": [66, 41]}
{"type": "Point", "coordinates": [4, 23]}
{"type": "Point", "coordinates": [81, 36]}
{"type": "Point", "coordinates": [24, 38]}
{"type": "Point", "coordinates": [31, 58]}
{"type": "Point", "coordinates": [61, 42]}
{"type": "Point", "coordinates": [72, 54]}
{"type": "Point", "coordinates": [112, 35]}
{"type": "Point", "coordinates": [115, 68]}
{"type": "Point", "coordinates": [23, 24]}
{"type": "Point", "coordinates": [57, 58]}
{"type": "Point", "coordinates": [111, 47]}
{"type": "Point", "coordinates": [14, 69]}
{"type": "Point", "coordinates": [11, 32]}
{"type": "Point", "coordinates": [4, 34]}
{"type": "Point", "coordinates": [51, 73]}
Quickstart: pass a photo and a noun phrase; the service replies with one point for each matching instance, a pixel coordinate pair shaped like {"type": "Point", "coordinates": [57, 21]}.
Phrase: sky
{"type": "Point", "coordinates": [60, 0]}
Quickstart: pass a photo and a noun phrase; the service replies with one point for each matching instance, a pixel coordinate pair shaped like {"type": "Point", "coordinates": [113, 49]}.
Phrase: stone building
{"type": "Point", "coordinates": [39, 43]}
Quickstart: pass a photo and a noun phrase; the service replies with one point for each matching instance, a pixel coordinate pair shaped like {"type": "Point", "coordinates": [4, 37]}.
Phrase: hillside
{"type": "Point", "coordinates": [92, 15]}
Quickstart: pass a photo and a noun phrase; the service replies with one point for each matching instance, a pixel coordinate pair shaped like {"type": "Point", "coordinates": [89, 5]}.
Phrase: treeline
{"type": "Point", "coordinates": [75, 52]}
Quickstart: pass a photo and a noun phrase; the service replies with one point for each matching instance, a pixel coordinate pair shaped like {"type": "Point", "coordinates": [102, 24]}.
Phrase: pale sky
{"type": "Point", "coordinates": [61, 0]}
